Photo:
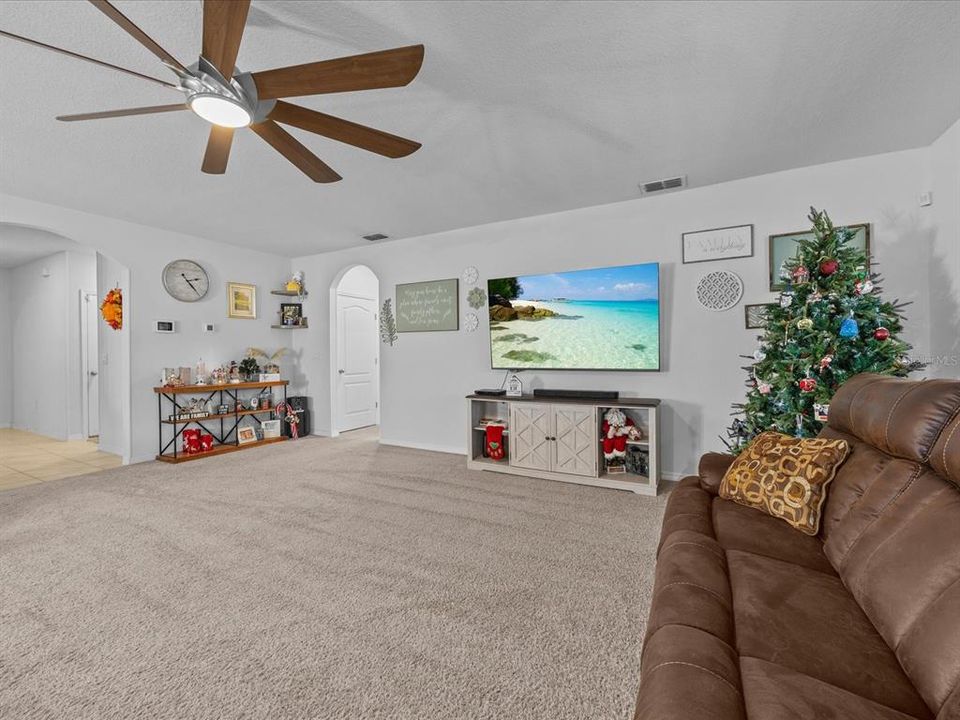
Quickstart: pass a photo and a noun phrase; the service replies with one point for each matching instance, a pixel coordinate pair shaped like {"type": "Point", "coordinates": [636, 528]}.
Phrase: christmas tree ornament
{"type": "Point", "coordinates": [805, 323]}
{"type": "Point", "coordinates": [849, 327]}
{"type": "Point", "coordinates": [821, 411]}
{"type": "Point", "coordinates": [863, 287]}
{"type": "Point", "coordinates": [829, 266]}
{"type": "Point", "coordinates": [759, 354]}
{"type": "Point", "coordinates": [814, 297]}
{"type": "Point", "coordinates": [860, 273]}
{"type": "Point", "coordinates": [764, 388]}
{"type": "Point", "coordinates": [881, 333]}
{"type": "Point", "coordinates": [825, 362]}
{"type": "Point", "coordinates": [799, 420]}
{"type": "Point", "coordinates": [807, 384]}
{"type": "Point", "coordinates": [801, 275]}
{"type": "Point", "coordinates": [786, 298]}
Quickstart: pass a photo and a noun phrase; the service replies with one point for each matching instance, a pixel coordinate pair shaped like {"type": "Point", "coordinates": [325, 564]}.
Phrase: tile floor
{"type": "Point", "coordinates": [26, 458]}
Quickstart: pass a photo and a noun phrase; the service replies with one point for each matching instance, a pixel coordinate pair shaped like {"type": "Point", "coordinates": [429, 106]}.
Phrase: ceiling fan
{"type": "Point", "coordinates": [229, 99]}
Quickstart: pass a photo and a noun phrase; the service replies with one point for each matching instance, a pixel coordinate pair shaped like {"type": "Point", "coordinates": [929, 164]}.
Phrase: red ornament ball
{"type": "Point", "coordinates": [881, 333]}
{"type": "Point", "coordinates": [829, 267]}
{"type": "Point", "coordinates": [807, 384]}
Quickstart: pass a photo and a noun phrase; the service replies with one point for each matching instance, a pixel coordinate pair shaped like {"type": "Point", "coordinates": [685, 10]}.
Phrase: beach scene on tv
{"type": "Point", "coordinates": [599, 319]}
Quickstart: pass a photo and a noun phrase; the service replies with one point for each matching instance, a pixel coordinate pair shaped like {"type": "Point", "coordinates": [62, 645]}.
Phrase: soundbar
{"type": "Point", "coordinates": [494, 392]}
{"type": "Point", "coordinates": [577, 394]}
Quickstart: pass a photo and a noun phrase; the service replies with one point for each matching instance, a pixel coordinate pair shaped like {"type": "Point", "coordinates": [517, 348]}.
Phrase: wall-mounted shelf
{"type": "Point", "coordinates": [289, 327]}
{"type": "Point", "coordinates": [289, 293]}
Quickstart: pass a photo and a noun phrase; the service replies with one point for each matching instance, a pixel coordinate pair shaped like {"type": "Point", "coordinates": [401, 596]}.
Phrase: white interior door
{"type": "Point", "coordinates": [358, 391]}
{"type": "Point", "coordinates": [90, 364]}
{"type": "Point", "coordinates": [530, 436]}
{"type": "Point", "coordinates": [575, 440]}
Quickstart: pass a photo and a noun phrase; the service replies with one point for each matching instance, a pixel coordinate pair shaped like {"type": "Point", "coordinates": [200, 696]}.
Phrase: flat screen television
{"type": "Point", "coordinates": [598, 319]}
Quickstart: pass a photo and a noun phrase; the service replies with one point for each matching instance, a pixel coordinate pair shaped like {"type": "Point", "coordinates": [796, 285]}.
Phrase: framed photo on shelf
{"type": "Point", "coordinates": [755, 316]}
{"type": "Point", "coordinates": [271, 428]}
{"type": "Point", "coordinates": [718, 244]}
{"type": "Point", "coordinates": [291, 313]}
{"type": "Point", "coordinates": [241, 301]}
{"type": "Point", "coordinates": [784, 247]}
{"type": "Point", "coordinates": [246, 435]}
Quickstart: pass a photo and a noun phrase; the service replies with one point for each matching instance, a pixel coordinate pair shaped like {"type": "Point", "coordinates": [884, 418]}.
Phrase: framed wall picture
{"type": "Point", "coordinates": [246, 435]}
{"type": "Point", "coordinates": [428, 306]}
{"type": "Point", "coordinates": [784, 247]}
{"type": "Point", "coordinates": [241, 301]}
{"type": "Point", "coordinates": [755, 316]}
{"type": "Point", "coordinates": [718, 244]}
{"type": "Point", "coordinates": [291, 314]}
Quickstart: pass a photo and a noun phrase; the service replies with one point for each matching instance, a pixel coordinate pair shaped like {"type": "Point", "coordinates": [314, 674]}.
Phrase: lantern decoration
{"type": "Point", "coordinates": [881, 333]}
{"type": "Point", "coordinates": [111, 309]}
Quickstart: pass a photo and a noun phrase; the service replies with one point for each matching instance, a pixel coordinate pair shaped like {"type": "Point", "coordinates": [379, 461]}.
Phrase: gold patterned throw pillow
{"type": "Point", "coordinates": [786, 477]}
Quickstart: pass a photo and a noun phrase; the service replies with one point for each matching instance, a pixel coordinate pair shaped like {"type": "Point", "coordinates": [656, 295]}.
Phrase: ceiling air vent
{"type": "Point", "coordinates": [375, 237]}
{"type": "Point", "coordinates": [673, 183]}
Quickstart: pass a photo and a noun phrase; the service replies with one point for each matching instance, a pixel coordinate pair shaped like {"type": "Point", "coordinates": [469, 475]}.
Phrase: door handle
{"type": "Point", "coordinates": [93, 373]}
{"type": "Point", "coordinates": [340, 371]}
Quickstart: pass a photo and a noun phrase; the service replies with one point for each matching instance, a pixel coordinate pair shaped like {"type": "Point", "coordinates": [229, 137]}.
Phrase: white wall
{"type": "Point", "coordinates": [39, 313]}
{"type": "Point", "coordinates": [425, 376]}
{"type": "Point", "coordinates": [944, 267]}
{"type": "Point", "coordinates": [6, 358]}
{"type": "Point", "coordinates": [113, 361]}
{"type": "Point", "coordinates": [144, 251]}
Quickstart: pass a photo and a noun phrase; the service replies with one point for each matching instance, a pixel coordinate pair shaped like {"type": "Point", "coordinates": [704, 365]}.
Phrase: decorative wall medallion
{"type": "Point", "coordinates": [471, 275]}
{"type": "Point", "coordinates": [470, 322]}
{"type": "Point", "coordinates": [719, 290]}
{"type": "Point", "coordinates": [477, 298]}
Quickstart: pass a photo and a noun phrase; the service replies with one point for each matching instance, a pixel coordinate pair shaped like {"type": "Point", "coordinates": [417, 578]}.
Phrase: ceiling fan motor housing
{"type": "Point", "coordinates": [202, 79]}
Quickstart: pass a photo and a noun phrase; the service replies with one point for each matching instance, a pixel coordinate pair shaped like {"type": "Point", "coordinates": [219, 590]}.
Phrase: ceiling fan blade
{"type": "Point", "coordinates": [139, 35]}
{"type": "Point", "coordinates": [223, 23]}
{"type": "Point", "coordinates": [218, 150]}
{"type": "Point", "coordinates": [361, 136]}
{"type": "Point", "coordinates": [78, 56]}
{"type": "Point", "coordinates": [387, 68]}
{"type": "Point", "coordinates": [288, 146]}
{"type": "Point", "coordinates": [123, 113]}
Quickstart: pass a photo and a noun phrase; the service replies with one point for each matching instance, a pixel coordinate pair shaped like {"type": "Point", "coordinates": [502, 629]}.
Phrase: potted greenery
{"type": "Point", "coordinates": [250, 369]}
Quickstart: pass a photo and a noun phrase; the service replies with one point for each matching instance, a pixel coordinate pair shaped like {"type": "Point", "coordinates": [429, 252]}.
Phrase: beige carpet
{"type": "Point", "coordinates": [322, 579]}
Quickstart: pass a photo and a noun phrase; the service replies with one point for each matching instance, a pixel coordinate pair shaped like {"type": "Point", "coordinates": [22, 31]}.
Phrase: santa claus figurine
{"type": "Point", "coordinates": [616, 430]}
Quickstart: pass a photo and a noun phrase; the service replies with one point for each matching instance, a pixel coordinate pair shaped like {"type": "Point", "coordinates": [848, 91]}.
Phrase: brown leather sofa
{"type": "Point", "coordinates": [752, 619]}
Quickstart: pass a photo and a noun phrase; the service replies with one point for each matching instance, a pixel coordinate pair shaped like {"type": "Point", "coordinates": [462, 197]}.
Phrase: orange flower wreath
{"type": "Point", "coordinates": [112, 308]}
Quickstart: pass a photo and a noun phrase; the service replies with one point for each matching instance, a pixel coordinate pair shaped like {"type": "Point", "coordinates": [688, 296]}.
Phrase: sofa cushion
{"type": "Point", "coordinates": [692, 586]}
{"type": "Point", "coordinates": [685, 663]}
{"type": "Point", "coordinates": [742, 528]}
{"type": "Point", "coordinates": [945, 456]}
{"type": "Point", "coordinates": [900, 417]}
{"type": "Point", "coordinates": [713, 466]}
{"type": "Point", "coordinates": [785, 477]}
{"type": "Point", "coordinates": [774, 692]}
{"type": "Point", "coordinates": [807, 621]}
{"type": "Point", "coordinates": [688, 508]}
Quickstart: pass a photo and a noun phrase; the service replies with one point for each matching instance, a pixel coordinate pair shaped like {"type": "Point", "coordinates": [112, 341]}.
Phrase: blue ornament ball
{"type": "Point", "coordinates": [849, 328]}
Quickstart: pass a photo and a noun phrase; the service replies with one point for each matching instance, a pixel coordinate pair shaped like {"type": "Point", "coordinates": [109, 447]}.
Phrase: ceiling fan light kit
{"type": "Point", "coordinates": [230, 100]}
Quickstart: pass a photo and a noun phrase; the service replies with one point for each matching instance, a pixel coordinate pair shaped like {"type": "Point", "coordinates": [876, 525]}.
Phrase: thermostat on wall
{"type": "Point", "coordinates": [209, 327]}
{"type": "Point", "coordinates": [165, 326]}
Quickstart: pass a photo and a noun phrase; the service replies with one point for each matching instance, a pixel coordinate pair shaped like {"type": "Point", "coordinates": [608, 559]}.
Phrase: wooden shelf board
{"type": "Point", "coordinates": [641, 443]}
{"type": "Point", "coordinates": [200, 389]}
{"type": "Point", "coordinates": [625, 477]}
{"type": "Point", "coordinates": [488, 461]}
{"type": "Point", "coordinates": [484, 429]}
{"type": "Point", "coordinates": [289, 293]}
{"type": "Point", "coordinates": [218, 450]}
{"type": "Point", "coordinates": [217, 416]}
{"type": "Point", "coordinates": [289, 327]}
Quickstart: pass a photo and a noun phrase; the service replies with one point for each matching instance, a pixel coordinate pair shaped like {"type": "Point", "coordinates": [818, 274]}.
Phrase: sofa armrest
{"type": "Point", "coordinates": [713, 466]}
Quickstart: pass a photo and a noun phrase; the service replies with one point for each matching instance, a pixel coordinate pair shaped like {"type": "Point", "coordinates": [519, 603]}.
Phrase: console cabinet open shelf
{"type": "Point", "coordinates": [226, 440]}
{"type": "Point", "coordinates": [561, 439]}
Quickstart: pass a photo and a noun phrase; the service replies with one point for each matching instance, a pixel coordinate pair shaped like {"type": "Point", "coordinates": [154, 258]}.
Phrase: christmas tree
{"type": "Point", "coordinates": [829, 325]}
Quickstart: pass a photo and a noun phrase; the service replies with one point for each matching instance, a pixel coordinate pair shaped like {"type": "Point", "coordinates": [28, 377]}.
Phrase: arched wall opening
{"type": "Point", "coordinates": [354, 349]}
{"type": "Point", "coordinates": [64, 373]}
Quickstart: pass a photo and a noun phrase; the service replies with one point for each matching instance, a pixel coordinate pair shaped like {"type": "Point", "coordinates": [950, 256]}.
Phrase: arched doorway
{"type": "Point", "coordinates": [354, 350]}
{"type": "Point", "coordinates": [64, 375]}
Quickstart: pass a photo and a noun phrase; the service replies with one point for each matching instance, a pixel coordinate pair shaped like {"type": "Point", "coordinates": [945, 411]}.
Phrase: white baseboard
{"type": "Point", "coordinates": [76, 436]}
{"type": "Point", "coordinates": [424, 446]}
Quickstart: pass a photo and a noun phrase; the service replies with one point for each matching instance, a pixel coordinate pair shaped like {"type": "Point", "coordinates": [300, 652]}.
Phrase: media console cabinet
{"type": "Point", "coordinates": [562, 439]}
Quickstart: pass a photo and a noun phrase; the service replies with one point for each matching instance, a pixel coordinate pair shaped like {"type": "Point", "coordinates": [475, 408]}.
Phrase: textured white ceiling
{"type": "Point", "coordinates": [20, 244]}
{"type": "Point", "coordinates": [523, 108]}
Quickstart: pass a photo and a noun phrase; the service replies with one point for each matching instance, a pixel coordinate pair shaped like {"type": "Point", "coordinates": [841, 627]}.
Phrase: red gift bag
{"type": "Point", "coordinates": [191, 441]}
{"type": "Point", "coordinates": [206, 443]}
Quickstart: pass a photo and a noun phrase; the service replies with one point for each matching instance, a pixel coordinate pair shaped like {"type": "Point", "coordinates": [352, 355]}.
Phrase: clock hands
{"type": "Point", "coordinates": [184, 276]}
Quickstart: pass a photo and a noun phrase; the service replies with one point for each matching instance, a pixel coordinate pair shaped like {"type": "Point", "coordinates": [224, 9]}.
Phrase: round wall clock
{"type": "Point", "coordinates": [185, 280]}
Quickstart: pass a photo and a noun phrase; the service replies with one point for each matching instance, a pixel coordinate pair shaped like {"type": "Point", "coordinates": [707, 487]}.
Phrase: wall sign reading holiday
{"type": "Point", "coordinates": [787, 246]}
{"type": "Point", "coordinates": [428, 306]}
{"type": "Point", "coordinates": [718, 244]}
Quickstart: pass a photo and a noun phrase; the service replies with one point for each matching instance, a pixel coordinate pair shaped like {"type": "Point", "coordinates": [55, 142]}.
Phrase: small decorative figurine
{"type": "Point", "coordinates": [295, 283]}
{"type": "Point", "coordinates": [234, 372]}
{"type": "Point", "coordinates": [514, 386]}
{"type": "Point", "coordinates": [218, 376]}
